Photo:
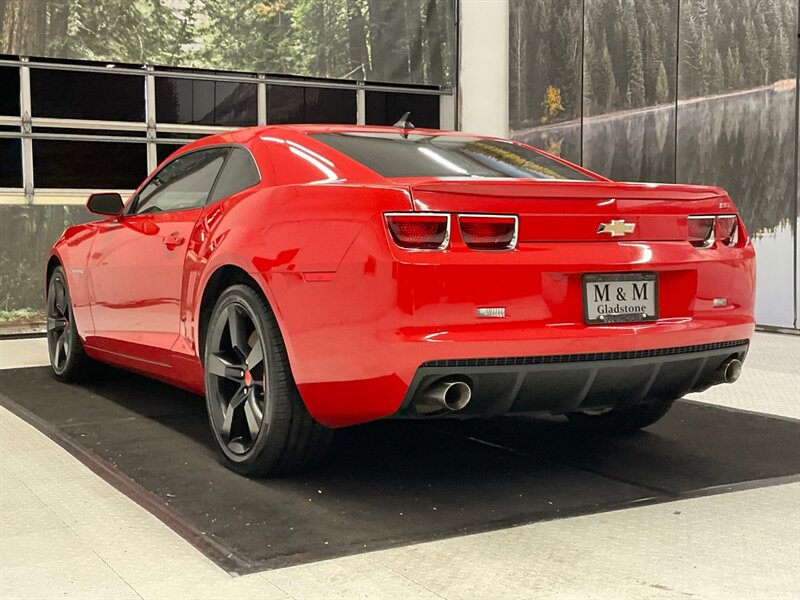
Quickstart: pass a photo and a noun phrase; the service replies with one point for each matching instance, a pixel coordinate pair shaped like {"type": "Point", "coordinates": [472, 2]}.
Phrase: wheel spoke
{"type": "Point", "coordinates": [56, 323]}
{"type": "Point", "coordinates": [255, 357]}
{"type": "Point", "coordinates": [227, 422]}
{"type": "Point", "coordinates": [59, 349]}
{"type": "Point", "coordinates": [236, 327]}
{"type": "Point", "coordinates": [60, 298]}
{"type": "Point", "coordinates": [219, 366]}
{"type": "Point", "coordinates": [253, 415]}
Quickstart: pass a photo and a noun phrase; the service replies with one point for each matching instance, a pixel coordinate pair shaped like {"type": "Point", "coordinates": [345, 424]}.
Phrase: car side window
{"type": "Point", "coordinates": [183, 184]}
{"type": "Point", "coordinates": [240, 172]}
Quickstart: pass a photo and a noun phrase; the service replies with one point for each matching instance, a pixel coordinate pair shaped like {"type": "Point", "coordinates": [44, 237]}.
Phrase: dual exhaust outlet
{"type": "Point", "coordinates": [445, 394]}
{"type": "Point", "coordinates": [450, 394]}
{"type": "Point", "coordinates": [729, 371]}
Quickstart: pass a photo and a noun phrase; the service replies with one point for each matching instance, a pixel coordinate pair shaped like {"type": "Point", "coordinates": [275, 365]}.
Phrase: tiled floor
{"type": "Point", "coordinates": [64, 532]}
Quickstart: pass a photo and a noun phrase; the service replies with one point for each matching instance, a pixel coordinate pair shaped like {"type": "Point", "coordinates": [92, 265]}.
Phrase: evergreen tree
{"type": "Point", "coordinates": [662, 85]}
{"type": "Point", "coordinates": [635, 95]}
{"type": "Point", "coordinates": [716, 80]}
{"type": "Point", "coordinates": [652, 62]}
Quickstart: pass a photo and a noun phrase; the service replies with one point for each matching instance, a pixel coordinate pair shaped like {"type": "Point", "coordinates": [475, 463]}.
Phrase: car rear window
{"type": "Point", "coordinates": [421, 155]}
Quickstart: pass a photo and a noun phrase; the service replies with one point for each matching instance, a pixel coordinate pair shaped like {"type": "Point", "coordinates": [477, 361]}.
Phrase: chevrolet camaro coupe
{"type": "Point", "coordinates": [306, 278]}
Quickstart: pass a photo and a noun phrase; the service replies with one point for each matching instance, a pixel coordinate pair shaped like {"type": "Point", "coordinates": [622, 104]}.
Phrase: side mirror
{"type": "Point", "coordinates": [105, 203]}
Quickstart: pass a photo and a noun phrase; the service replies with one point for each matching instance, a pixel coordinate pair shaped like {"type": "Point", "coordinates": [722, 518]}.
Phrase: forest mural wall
{"type": "Point", "coordinates": [402, 41]}
{"type": "Point", "coordinates": [699, 91]}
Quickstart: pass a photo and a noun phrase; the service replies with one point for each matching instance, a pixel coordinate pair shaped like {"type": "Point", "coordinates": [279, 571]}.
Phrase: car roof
{"type": "Point", "coordinates": [243, 136]}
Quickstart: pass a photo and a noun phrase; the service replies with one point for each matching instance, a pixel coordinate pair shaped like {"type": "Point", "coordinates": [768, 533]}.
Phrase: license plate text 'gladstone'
{"type": "Point", "coordinates": [618, 298]}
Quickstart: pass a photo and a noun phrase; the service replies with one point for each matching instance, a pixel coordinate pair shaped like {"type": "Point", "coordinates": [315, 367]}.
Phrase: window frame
{"type": "Point", "coordinates": [209, 201]}
{"type": "Point", "coordinates": [130, 208]}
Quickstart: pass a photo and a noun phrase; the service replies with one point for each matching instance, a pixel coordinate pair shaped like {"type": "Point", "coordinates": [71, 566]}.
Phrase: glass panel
{"type": "Point", "coordinates": [545, 75]}
{"type": "Point", "coordinates": [292, 104]}
{"type": "Point", "coordinates": [11, 163]}
{"type": "Point", "coordinates": [386, 108]}
{"type": "Point", "coordinates": [201, 102]}
{"type": "Point", "coordinates": [28, 232]}
{"type": "Point", "coordinates": [81, 95]}
{"type": "Point", "coordinates": [629, 89]}
{"type": "Point", "coordinates": [398, 155]}
{"type": "Point", "coordinates": [737, 126]}
{"type": "Point", "coordinates": [240, 173]}
{"type": "Point", "coordinates": [163, 151]}
{"type": "Point", "coordinates": [9, 91]}
{"type": "Point", "coordinates": [183, 184]}
{"type": "Point", "coordinates": [90, 165]}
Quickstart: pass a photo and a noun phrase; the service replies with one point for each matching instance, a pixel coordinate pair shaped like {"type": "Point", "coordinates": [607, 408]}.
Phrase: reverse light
{"type": "Point", "coordinates": [701, 231]}
{"type": "Point", "coordinates": [489, 232]}
{"type": "Point", "coordinates": [728, 229]}
{"type": "Point", "coordinates": [419, 231]}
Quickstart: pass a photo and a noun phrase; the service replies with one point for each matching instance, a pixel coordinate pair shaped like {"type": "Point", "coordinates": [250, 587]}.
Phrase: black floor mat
{"type": "Point", "coordinates": [392, 482]}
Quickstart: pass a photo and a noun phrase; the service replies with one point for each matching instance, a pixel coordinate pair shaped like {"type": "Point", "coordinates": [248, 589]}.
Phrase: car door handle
{"type": "Point", "coordinates": [173, 240]}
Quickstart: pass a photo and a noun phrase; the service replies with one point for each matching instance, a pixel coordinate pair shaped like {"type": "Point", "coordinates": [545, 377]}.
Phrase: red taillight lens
{"type": "Point", "coordinates": [419, 231]}
{"type": "Point", "coordinates": [701, 231]}
{"type": "Point", "coordinates": [489, 232]}
{"type": "Point", "coordinates": [728, 229]}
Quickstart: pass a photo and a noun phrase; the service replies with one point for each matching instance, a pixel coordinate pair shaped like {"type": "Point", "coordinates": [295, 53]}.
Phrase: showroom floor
{"type": "Point", "coordinates": [67, 532]}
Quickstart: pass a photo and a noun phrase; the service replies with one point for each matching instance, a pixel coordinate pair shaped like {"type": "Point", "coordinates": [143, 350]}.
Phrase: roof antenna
{"type": "Point", "coordinates": [405, 123]}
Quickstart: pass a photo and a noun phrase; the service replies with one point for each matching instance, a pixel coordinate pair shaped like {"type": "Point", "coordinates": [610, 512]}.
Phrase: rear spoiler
{"type": "Point", "coordinates": [517, 188]}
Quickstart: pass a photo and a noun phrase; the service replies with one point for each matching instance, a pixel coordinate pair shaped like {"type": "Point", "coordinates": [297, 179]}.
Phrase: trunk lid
{"type": "Point", "coordinates": [575, 211]}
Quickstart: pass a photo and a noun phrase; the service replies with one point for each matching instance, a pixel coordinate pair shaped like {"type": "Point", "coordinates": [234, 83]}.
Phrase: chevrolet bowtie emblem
{"type": "Point", "coordinates": [616, 228]}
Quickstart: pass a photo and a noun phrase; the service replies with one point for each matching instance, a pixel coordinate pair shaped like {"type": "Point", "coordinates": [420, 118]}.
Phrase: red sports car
{"type": "Point", "coordinates": [306, 278]}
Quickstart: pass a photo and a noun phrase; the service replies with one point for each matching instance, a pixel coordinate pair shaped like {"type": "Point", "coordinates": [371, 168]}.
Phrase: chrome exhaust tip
{"type": "Point", "coordinates": [730, 370]}
{"type": "Point", "coordinates": [445, 394]}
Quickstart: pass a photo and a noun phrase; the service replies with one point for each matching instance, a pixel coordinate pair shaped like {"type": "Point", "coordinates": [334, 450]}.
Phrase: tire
{"type": "Point", "coordinates": [622, 420]}
{"type": "Point", "coordinates": [258, 419]}
{"type": "Point", "coordinates": [68, 361]}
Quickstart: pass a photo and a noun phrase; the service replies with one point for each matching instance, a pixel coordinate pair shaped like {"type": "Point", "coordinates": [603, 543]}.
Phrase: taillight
{"type": "Point", "coordinates": [419, 231]}
{"type": "Point", "coordinates": [701, 231]}
{"type": "Point", "coordinates": [488, 232]}
{"type": "Point", "coordinates": [728, 229]}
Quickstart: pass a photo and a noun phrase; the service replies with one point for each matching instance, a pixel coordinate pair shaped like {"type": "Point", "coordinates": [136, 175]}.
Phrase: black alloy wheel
{"type": "Point", "coordinates": [237, 374]}
{"type": "Point", "coordinates": [64, 346]}
{"type": "Point", "coordinates": [259, 421]}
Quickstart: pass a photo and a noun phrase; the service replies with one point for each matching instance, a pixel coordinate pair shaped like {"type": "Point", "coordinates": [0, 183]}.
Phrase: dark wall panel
{"type": "Point", "coordinates": [9, 91]}
{"type": "Point", "coordinates": [76, 95]}
{"type": "Point", "coordinates": [88, 165]}
{"type": "Point", "coordinates": [386, 108]}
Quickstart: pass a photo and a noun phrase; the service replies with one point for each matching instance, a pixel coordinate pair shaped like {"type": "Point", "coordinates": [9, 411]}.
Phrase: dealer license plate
{"type": "Point", "coordinates": [620, 297]}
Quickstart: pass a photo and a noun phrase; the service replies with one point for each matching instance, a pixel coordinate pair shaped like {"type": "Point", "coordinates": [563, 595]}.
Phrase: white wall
{"type": "Point", "coordinates": [483, 67]}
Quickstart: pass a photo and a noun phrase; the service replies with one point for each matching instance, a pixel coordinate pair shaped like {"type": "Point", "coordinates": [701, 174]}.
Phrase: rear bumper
{"type": "Point", "coordinates": [359, 338]}
{"type": "Point", "coordinates": [563, 383]}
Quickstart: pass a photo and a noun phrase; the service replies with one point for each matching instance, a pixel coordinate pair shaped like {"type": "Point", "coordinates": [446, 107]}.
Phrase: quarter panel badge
{"type": "Point", "coordinates": [616, 228]}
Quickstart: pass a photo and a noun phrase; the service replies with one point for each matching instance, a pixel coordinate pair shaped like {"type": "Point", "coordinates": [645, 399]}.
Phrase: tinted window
{"type": "Point", "coordinates": [76, 95]}
{"type": "Point", "coordinates": [11, 163]}
{"type": "Point", "coordinates": [394, 155]}
{"type": "Point", "coordinates": [240, 173]}
{"type": "Point", "coordinates": [386, 108]}
{"type": "Point", "coordinates": [9, 91]}
{"type": "Point", "coordinates": [202, 102]}
{"type": "Point", "coordinates": [290, 104]}
{"type": "Point", "coordinates": [182, 184]}
{"type": "Point", "coordinates": [93, 165]}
